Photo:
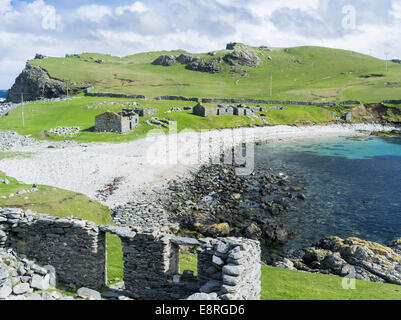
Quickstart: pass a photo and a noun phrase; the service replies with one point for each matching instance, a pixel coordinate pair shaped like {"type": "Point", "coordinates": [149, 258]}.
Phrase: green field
{"type": "Point", "coordinates": [299, 73]}
{"type": "Point", "coordinates": [42, 116]}
{"type": "Point", "coordinates": [53, 201]}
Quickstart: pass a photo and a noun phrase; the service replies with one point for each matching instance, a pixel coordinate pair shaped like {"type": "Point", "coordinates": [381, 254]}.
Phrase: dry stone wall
{"type": "Point", "coordinates": [114, 95]}
{"type": "Point", "coordinates": [176, 98]}
{"type": "Point", "coordinates": [75, 248]}
{"type": "Point", "coordinates": [228, 268]}
{"type": "Point", "coordinates": [301, 103]}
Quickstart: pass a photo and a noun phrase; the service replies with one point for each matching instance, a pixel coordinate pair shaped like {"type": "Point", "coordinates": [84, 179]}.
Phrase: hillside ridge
{"type": "Point", "coordinates": [304, 73]}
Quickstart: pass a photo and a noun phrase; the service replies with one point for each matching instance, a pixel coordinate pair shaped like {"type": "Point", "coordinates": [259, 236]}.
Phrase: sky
{"type": "Point", "coordinates": [125, 27]}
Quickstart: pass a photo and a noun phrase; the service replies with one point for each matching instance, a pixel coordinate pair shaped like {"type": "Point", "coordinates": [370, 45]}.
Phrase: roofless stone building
{"type": "Point", "coordinates": [122, 122]}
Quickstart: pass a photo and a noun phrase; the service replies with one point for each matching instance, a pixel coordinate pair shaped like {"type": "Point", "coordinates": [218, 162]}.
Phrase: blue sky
{"type": "Point", "coordinates": [128, 26]}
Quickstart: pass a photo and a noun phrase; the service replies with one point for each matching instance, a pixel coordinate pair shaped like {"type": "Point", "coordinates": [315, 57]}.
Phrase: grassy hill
{"type": "Point", "coordinates": [299, 73]}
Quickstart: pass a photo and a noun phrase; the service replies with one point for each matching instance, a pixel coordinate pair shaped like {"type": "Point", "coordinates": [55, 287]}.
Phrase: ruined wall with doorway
{"type": "Point", "coordinates": [228, 268]}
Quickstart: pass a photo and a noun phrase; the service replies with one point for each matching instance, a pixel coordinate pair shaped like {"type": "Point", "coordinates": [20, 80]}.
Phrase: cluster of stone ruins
{"type": "Point", "coordinates": [128, 119]}
{"type": "Point", "coordinates": [122, 122]}
{"type": "Point", "coordinates": [228, 268]}
{"type": "Point", "coordinates": [231, 110]}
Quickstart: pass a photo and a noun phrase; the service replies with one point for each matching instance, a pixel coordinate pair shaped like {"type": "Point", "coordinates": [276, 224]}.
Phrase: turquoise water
{"type": "Point", "coordinates": [353, 187]}
{"type": "Point", "coordinates": [352, 148]}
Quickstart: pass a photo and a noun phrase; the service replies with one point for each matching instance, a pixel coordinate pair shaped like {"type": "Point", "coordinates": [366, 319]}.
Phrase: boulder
{"type": "Point", "coordinates": [231, 45]}
{"type": "Point", "coordinates": [203, 296]}
{"type": "Point", "coordinates": [3, 273]}
{"type": "Point", "coordinates": [5, 291]}
{"type": "Point", "coordinates": [88, 294]}
{"type": "Point", "coordinates": [21, 288]}
{"type": "Point", "coordinates": [351, 257]}
{"type": "Point", "coordinates": [243, 56]}
{"type": "Point", "coordinates": [185, 58]}
{"type": "Point", "coordinates": [202, 65]}
{"type": "Point", "coordinates": [40, 282]}
{"type": "Point", "coordinates": [164, 60]}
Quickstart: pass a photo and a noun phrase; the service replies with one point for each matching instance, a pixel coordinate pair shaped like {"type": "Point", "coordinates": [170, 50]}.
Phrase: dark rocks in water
{"type": "Point", "coordinates": [217, 202]}
{"type": "Point", "coordinates": [164, 60]}
{"type": "Point", "coordinates": [274, 234]}
{"type": "Point", "coordinates": [242, 56]}
{"type": "Point", "coordinates": [202, 65]}
{"type": "Point", "coordinates": [36, 83]}
{"type": "Point", "coordinates": [352, 258]}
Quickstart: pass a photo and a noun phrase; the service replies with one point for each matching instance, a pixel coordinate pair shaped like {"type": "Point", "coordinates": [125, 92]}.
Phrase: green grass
{"type": "Point", "coordinates": [53, 201]}
{"type": "Point", "coordinates": [281, 284]}
{"type": "Point", "coordinates": [326, 74]}
{"type": "Point", "coordinates": [42, 116]}
{"type": "Point", "coordinates": [115, 265]}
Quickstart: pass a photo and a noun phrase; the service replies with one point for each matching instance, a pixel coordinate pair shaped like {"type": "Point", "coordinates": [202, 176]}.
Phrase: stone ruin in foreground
{"type": "Point", "coordinates": [228, 268]}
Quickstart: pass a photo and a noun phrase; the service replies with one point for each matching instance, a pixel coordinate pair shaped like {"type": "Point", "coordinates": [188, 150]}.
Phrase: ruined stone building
{"type": "Point", "coordinates": [222, 110]}
{"type": "Point", "coordinates": [122, 122]}
{"type": "Point", "coordinates": [203, 111]}
{"type": "Point", "coordinates": [145, 112]}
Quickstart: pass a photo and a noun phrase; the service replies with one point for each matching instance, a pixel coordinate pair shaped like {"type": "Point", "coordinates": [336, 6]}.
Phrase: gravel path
{"type": "Point", "coordinates": [142, 164]}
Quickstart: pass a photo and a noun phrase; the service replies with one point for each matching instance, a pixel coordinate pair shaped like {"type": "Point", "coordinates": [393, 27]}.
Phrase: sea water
{"type": "Point", "coordinates": [353, 187]}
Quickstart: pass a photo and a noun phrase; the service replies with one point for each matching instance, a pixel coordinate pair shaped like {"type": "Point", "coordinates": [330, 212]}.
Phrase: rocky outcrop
{"type": "Point", "coordinates": [164, 60]}
{"type": "Point", "coordinates": [231, 45]}
{"type": "Point", "coordinates": [243, 56]}
{"type": "Point", "coordinates": [36, 84]}
{"type": "Point", "coordinates": [185, 58]}
{"type": "Point", "coordinates": [202, 65]}
{"type": "Point", "coordinates": [352, 258]}
{"type": "Point", "coordinates": [396, 61]}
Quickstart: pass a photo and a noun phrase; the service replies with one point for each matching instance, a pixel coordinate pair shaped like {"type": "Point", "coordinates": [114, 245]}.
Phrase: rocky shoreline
{"type": "Point", "coordinates": [215, 202]}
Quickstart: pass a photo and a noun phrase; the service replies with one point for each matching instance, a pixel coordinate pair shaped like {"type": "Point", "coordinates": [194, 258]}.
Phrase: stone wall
{"type": "Point", "coordinates": [301, 103]}
{"type": "Point", "coordinates": [392, 101]}
{"type": "Point", "coordinates": [228, 268]}
{"type": "Point", "coordinates": [176, 98]}
{"type": "Point", "coordinates": [145, 112]}
{"type": "Point", "coordinates": [350, 102]}
{"type": "Point", "coordinates": [114, 95]}
{"type": "Point", "coordinates": [75, 248]}
{"type": "Point", "coordinates": [108, 122]}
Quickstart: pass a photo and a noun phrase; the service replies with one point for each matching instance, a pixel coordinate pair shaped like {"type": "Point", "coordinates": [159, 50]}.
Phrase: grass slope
{"type": "Point", "coordinates": [322, 74]}
{"type": "Point", "coordinates": [53, 201]}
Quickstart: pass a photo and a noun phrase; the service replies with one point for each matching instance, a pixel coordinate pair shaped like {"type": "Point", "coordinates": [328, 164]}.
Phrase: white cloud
{"type": "Point", "coordinates": [136, 7]}
{"type": "Point", "coordinates": [93, 13]}
{"type": "Point", "coordinates": [193, 25]}
{"type": "Point", "coordinates": [396, 9]}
